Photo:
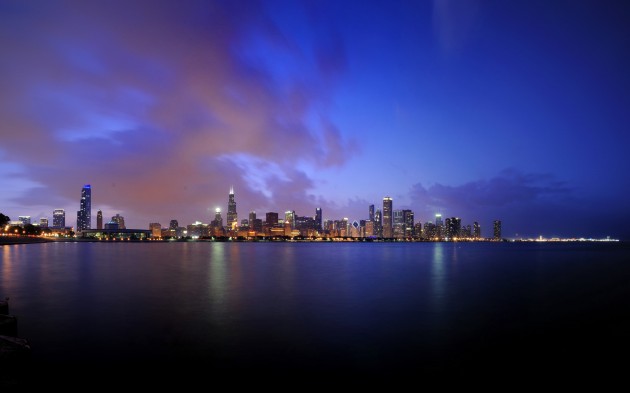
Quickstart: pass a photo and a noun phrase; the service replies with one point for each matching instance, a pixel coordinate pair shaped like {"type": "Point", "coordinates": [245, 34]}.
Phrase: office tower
{"type": "Point", "coordinates": [289, 217]}
{"type": "Point", "coordinates": [25, 220]}
{"type": "Point", "coordinates": [408, 219]}
{"type": "Point", "coordinates": [318, 219]}
{"type": "Point", "coordinates": [119, 220]}
{"type": "Point", "coordinates": [497, 229]}
{"type": "Point", "coordinates": [84, 215]}
{"type": "Point", "coordinates": [59, 218]}
{"type": "Point", "coordinates": [439, 227]}
{"type": "Point", "coordinates": [371, 213]}
{"type": "Point", "coordinates": [387, 218]}
{"type": "Point", "coordinates": [452, 226]}
{"type": "Point", "coordinates": [271, 219]}
{"type": "Point", "coordinates": [252, 217]}
{"type": "Point", "coordinates": [99, 219]}
{"type": "Point", "coordinates": [398, 224]}
{"type": "Point", "coordinates": [218, 220]}
{"type": "Point", "coordinates": [438, 220]}
{"type": "Point", "coordinates": [417, 230]}
{"type": "Point", "coordinates": [378, 223]}
{"type": "Point", "coordinates": [476, 230]}
{"type": "Point", "coordinates": [43, 222]}
{"type": "Point", "coordinates": [173, 224]}
{"type": "Point", "coordinates": [232, 220]}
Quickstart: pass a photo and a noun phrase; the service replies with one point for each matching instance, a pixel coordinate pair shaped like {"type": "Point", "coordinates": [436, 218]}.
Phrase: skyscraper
{"type": "Point", "coordinates": [371, 213]}
{"type": "Point", "coordinates": [173, 224]}
{"type": "Point", "coordinates": [378, 223]}
{"type": "Point", "coordinates": [497, 229]}
{"type": "Point", "coordinates": [252, 218]}
{"type": "Point", "coordinates": [318, 219]}
{"type": "Point", "coordinates": [59, 218]}
{"type": "Point", "coordinates": [387, 217]}
{"type": "Point", "coordinates": [99, 219]}
{"type": "Point", "coordinates": [232, 219]}
{"type": "Point", "coordinates": [476, 230]}
{"type": "Point", "coordinates": [84, 215]}
{"type": "Point", "coordinates": [408, 220]}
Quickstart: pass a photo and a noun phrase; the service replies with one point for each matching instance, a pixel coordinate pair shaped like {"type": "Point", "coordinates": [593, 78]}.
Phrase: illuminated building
{"type": "Point", "coordinates": [218, 220]}
{"type": "Point", "coordinates": [232, 220]}
{"type": "Point", "coordinates": [43, 222]}
{"type": "Point", "coordinates": [378, 223]}
{"type": "Point", "coordinates": [476, 230]}
{"type": "Point", "coordinates": [398, 225]}
{"type": "Point", "coordinates": [289, 217]}
{"type": "Point", "coordinates": [371, 213]}
{"type": "Point", "coordinates": [99, 219]}
{"type": "Point", "coordinates": [84, 215]}
{"type": "Point", "coordinates": [252, 217]}
{"type": "Point", "coordinates": [59, 218]}
{"type": "Point", "coordinates": [497, 229]}
{"type": "Point", "coordinates": [120, 220]}
{"type": "Point", "coordinates": [417, 230]}
{"type": "Point", "coordinates": [387, 217]}
{"type": "Point", "coordinates": [24, 220]}
{"type": "Point", "coordinates": [318, 219]}
{"type": "Point", "coordinates": [408, 220]}
{"type": "Point", "coordinates": [156, 229]}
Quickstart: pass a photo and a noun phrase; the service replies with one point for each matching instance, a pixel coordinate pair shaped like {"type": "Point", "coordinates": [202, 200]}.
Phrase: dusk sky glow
{"type": "Point", "coordinates": [483, 110]}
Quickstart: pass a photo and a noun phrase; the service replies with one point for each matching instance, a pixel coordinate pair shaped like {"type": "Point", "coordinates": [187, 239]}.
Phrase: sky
{"type": "Point", "coordinates": [482, 110]}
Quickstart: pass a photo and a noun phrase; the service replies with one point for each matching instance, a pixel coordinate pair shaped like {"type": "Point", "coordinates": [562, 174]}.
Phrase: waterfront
{"type": "Point", "coordinates": [319, 309]}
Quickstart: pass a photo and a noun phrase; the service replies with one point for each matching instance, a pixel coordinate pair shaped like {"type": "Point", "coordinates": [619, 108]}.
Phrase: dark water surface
{"type": "Point", "coordinates": [103, 312]}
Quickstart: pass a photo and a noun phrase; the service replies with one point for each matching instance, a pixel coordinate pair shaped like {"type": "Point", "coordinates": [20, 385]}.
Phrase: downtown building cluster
{"type": "Point", "coordinates": [381, 223]}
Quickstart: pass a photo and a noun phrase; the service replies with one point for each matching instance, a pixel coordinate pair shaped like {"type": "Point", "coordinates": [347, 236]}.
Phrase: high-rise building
{"type": "Point", "coordinates": [408, 221]}
{"type": "Point", "coordinates": [25, 220]}
{"type": "Point", "coordinates": [84, 215]}
{"type": "Point", "coordinates": [232, 218]}
{"type": "Point", "coordinates": [59, 218]}
{"type": "Point", "coordinates": [173, 224]}
{"type": "Point", "coordinates": [218, 220]}
{"type": "Point", "coordinates": [289, 217]}
{"type": "Point", "coordinates": [43, 222]}
{"type": "Point", "coordinates": [252, 217]}
{"type": "Point", "coordinates": [371, 213]}
{"type": "Point", "coordinates": [378, 223]}
{"type": "Point", "coordinates": [120, 220]}
{"type": "Point", "coordinates": [99, 219]}
{"type": "Point", "coordinates": [387, 217]}
{"type": "Point", "coordinates": [497, 229]}
{"type": "Point", "coordinates": [318, 219]}
{"type": "Point", "coordinates": [398, 226]}
{"type": "Point", "coordinates": [271, 219]}
{"type": "Point", "coordinates": [476, 230]}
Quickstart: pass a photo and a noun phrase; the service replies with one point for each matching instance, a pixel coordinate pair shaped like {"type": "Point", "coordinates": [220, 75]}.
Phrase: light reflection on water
{"type": "Point", "coordinates": [290, 305]}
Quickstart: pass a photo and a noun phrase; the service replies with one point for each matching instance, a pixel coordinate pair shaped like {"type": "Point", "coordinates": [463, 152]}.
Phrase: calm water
{"type": "Point", "coordinates": [352, 309]}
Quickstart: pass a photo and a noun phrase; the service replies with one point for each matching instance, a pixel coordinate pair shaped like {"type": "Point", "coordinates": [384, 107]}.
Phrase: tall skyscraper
{"type": "Point", "coordinates": [59, 218]}
{"type": "Point", "coordinates": [408, 220]}
{"type": "Point", "coordinates": [99, 219]}
{"type": "Point", "coordinates": [252, 218]}
{"type": "Point", "coordinates": [289, 217]}
{"type": "Point", "coordinates": [84, 215]}
{"type": "Point", "coordinates": [378, 223]}
{"type": "Point", "coordinates": [497, 229]}
{"type": "Point", "coordinates": [43, 222]}
{"type": "Point", "coordinates": [387, 217]}
{"type": "Point", "coordinates": [399, 224]}
{"type": "Point", "coordinates": [371, 213]}
{"type": "Point", "coordinates": [476, 230]}
{"type": "Point", "coordinates": [232, 218]}
{"type": "Point", "coordinates": [25, 220]}
{"type": "Point", "coordinates": [218, 220]}
{"type": "Point", "coordinates": [318, 219]}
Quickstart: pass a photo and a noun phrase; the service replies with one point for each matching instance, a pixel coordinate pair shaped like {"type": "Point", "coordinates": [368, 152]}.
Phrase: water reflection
{"type": "Point", "coordinates": [438, 276]}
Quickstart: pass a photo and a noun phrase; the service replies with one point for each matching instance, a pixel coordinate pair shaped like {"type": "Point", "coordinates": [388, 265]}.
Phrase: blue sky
{"type": "Point", "coordinates": [481, 110]}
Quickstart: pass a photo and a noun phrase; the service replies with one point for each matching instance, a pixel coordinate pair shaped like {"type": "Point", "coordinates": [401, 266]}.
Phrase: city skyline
{"type": "Point", "coordinates": [478, 110]}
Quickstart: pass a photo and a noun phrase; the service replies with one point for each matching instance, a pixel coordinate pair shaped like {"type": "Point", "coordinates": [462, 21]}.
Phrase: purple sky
{"type": "Point", "coordinates": [483, 110]}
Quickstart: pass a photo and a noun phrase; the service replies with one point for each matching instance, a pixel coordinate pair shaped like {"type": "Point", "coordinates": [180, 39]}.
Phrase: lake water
{"type": "Point", "coordinates": [311, 310]}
